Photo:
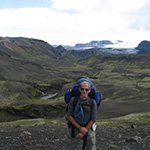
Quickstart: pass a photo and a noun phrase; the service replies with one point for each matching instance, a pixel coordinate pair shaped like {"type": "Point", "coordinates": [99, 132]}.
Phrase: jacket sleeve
{"type": "Point", "coordinates": [94, 112]}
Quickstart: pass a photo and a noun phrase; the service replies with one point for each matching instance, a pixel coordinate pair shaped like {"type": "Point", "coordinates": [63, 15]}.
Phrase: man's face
{"type": "Point", "coordinates": [84, 90]}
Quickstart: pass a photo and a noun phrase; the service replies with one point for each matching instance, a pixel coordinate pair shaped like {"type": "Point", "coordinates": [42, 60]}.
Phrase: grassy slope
{"type": "Point", "coordinates": [126, 76]}
{"type": "Point", "coordinates": [117, 77]}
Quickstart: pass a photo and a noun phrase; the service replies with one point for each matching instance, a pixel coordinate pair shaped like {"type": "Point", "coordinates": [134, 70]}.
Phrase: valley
{"type": "Point", "coordinates": [31, 69]}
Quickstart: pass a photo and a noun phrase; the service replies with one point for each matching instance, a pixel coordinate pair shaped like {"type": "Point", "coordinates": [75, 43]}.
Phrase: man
{"type": "Point", "coordinates": [83, 130]}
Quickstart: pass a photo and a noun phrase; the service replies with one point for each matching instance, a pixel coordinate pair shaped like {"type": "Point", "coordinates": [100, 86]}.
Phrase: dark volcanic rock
{"type": "Point", "coordinates": [45, 137]}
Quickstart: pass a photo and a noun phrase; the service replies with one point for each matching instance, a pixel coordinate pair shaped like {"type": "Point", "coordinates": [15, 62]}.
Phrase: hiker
{"type": "Point", "coordinates": [83, 130]}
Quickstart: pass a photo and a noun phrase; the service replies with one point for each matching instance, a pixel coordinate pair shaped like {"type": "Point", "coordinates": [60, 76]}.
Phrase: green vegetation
{"type": "Point", "coordinates": [32, 122]}
{"type": "Point", "coordinates": [128, 120]}
{"type": "Point", "coordinates": [112, 146]}
{"type": "Point", "coordinates": [125, 121]}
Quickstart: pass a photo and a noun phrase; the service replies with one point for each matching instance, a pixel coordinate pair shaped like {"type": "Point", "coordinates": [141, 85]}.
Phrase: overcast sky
{"type": "Point", "coordinates": [76, 21]}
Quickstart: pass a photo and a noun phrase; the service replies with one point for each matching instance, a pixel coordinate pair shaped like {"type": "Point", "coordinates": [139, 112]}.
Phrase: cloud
{"type": "Point", "coordinates": [42, 23]}
{"type": "Point", "coordinates": [73, 21]}
{"type": "Point", "coordinates": [139, 19]}
{"type": "Point", "coordinates": [98, 5]}
{"type": "Point", "coordinates": [78, 5]}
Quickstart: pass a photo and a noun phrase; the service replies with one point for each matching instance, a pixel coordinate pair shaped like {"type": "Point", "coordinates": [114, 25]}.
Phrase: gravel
{"type": "Point", "coordinates": [46, 137]}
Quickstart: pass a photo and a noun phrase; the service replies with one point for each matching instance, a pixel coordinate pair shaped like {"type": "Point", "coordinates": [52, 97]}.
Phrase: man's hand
{"type": "Point", "coordinates": [83, 130]}
{"type": "Point", "coordinates": [80, 135]}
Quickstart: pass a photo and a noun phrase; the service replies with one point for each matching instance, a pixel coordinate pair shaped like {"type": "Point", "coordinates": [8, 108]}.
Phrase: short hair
{"type": "Point", "coordinates": [85, 82]}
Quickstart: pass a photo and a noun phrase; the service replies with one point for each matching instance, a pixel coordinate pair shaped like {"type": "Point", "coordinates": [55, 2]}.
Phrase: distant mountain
{"type": "Point", "coordinates": [101, 47]}
{"type": "Point", "coordinates": [41, 52]}
{"type": "Point", "coordinates": [26, 48]}
{"type": "Point", "coordinates": [98, 47]}
{"type": "Point", "coordinates": [94, 44]}
{"type": "Point", "coordinates": [144, 47]}
{"type": "Point", "coordinates": [34, 50]}
{"type": "Point", "coordinates": [90, 51]}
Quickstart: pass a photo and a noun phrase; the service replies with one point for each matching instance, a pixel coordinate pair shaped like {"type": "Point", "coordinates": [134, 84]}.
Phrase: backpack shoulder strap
{"type": "Point", "coordinates": [75, 101]}
{"type": "Point", "coordinates": [91, 103]}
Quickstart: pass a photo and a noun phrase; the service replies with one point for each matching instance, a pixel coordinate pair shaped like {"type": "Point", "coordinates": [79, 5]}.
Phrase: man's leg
{"type": "Point", "coordinates": [71, 142]}
{"type": "Point", "coordinates": [91, 140]}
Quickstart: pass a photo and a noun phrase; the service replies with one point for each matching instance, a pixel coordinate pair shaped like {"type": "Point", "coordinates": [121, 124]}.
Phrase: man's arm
{"type": "Point", "coordinates": [81, 129]}
{"type": "Point", "coordinates": [89, 125]}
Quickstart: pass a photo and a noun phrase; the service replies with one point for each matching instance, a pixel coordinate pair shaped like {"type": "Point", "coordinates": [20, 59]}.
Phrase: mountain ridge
{"type": "Point", "coordinates": [36, 50]}
{"type": "Point", "coordinates": [144, 47]}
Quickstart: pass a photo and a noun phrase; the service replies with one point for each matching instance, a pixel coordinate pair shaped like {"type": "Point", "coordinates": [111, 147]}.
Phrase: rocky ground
{"type": "Point", "coordinates": [46, 137]}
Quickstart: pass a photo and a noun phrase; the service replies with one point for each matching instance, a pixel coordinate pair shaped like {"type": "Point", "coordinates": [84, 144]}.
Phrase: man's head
{"type": "Point", "coordinates": [85, 89]}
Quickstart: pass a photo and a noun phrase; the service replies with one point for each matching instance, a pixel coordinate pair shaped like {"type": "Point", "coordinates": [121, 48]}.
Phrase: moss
{"type": "Point", "coordinates": [145, 84]}
{"type": "Point", "coordinates": [2, 86]}
{"type": "Point", "coordinates": [91, 60]}
{"type": "Point", "coordinates": [14, 97]}
{"type": "Point", "coordinates": [32, 122]}
{"type": "Point", "coordinates": [68, 80]}
{"type": "Point", "coordinates": [135, 118]}
{"type": "Point", "coordinates": [112, 146]}
{"type": "Point", "coordinates": [21, 106]}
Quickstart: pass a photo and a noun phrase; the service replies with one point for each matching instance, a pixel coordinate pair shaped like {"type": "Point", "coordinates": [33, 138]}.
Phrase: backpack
{"type": "Point", "coordinates": [75, 92]}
